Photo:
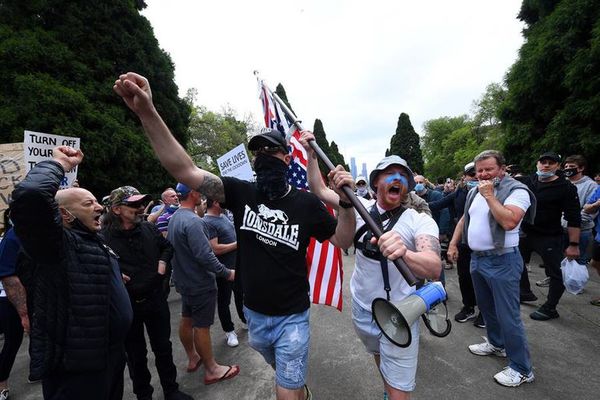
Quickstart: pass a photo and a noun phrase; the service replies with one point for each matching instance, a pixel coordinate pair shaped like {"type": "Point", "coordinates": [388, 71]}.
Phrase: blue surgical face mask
{"type": "Point", "coordinates": [472, 184]}
{"type": "Point", "coordinates": [544, 174]}
{"type": "Point", "coordinates": [361, 191]}
{"type": "Point", "coordinates": [419, 187]}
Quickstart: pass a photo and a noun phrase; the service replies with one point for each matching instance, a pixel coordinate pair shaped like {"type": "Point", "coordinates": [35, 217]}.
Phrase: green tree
{"type": "Point", "coordinates": [331, 151]}
{"type": "Point", "coordinates": [553, 99]}
{"type": "Point", "coordinates": [406, 144]}
{"type": "Point", "coordinates": [58, 62]}
{"type": "Point", "coordinates": [213, 134]}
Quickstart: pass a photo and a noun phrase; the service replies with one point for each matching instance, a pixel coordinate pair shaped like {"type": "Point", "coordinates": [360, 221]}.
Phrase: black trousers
{"type": "Point", "coordinates": [10, 325]}
{"type": "Point", "coordinates": [225, 288]}
{"type": "Point", "coordinates": [154, 314]}
{"type": "Point", "coordinates": [550, 248]}
{"type": "Point", "coordinates": [106, 384]}
{"type": "Point", "coordinates": [465, 282]}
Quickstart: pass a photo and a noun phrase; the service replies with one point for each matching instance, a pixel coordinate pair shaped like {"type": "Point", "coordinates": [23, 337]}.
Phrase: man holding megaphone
{"type": "Point", "coordinates": [490, 225]}
{"type": "Point", "coordinates": [407, 234]}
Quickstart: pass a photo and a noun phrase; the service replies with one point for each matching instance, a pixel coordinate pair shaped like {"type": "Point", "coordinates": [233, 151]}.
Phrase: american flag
{"type": "Point", "coordinates": [323, 260]}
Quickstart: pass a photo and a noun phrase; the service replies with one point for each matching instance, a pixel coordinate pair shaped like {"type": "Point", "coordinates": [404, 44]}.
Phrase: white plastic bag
{"type": "Point", "coordinates": [575, 275]}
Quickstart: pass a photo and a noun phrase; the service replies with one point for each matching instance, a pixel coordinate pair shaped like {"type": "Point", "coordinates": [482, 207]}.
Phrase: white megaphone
{"type": "Point", "coordinates": [395, 320]}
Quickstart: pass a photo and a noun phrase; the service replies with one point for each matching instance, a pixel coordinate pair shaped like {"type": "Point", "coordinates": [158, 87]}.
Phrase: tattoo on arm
{"type": "Point", "coordinates": [428, 242]}
{"type": "Point", "coordinates": [212, 187]}
{"type": "Point", "coordinates": [16, 294]}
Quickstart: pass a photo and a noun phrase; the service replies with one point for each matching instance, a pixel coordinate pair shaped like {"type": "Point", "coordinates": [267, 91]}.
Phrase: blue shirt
{"type": "Point", "coordinates": [594, 198]}
{"type": "Point", "coordinates": [9, 248]}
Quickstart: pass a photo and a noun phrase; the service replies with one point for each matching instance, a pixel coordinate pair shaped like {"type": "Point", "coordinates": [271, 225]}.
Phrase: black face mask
{"type": "Point", "coordinates": [570, 172]}
{"type": "Point", "coordinates": [271, 176]}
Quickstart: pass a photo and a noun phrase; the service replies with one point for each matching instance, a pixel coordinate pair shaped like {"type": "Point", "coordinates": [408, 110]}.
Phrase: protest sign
{"type": "Point", "coordinates": [38, 147]}
{"type": "Point", "coordinates": [12, 171]}
{"type": "Point", "coordinates": [236, 163]}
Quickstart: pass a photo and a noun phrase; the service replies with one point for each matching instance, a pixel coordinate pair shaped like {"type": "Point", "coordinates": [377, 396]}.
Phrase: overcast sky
{"type": "Point", "coordinates": [355, 65]}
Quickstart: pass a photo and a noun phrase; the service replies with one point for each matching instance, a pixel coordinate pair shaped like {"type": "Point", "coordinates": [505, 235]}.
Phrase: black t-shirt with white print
{"type": "Point", "coordinates": [272, 237]}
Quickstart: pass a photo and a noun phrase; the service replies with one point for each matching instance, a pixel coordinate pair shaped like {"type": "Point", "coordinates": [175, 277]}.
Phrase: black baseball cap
{"type": "Point", "coordinates": [550, 155]}
{"type": "Point", "coordinates": [269, 138]}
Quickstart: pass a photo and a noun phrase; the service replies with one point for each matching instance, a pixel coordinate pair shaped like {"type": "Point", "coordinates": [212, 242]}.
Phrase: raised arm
{"type": "Point", "coordinates": [135, 91]}
{"type": "Point", "coordinates": [315, 180]}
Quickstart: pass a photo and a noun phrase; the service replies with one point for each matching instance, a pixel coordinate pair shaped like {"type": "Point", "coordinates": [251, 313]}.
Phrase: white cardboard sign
{"type": "Point", "coordinates": [38, 147]}
{"type": "Point", "coordinates": [236, 163]}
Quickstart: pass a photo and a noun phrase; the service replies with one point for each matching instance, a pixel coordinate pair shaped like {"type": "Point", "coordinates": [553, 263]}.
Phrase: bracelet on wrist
{"type": "Point", "coordinates": [344, 204]}
{"type": "Point", "coordinates": [573, 243]}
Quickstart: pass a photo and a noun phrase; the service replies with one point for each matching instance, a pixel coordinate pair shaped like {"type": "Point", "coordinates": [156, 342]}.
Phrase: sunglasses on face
{"type": "Point", "coordinates": [267, 150]}
{"type": "Point", "coordinates": [136, 204]}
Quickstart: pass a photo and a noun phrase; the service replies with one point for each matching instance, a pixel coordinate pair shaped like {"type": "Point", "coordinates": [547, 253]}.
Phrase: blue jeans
{"type": "Point", "coordinates": [283, 342]}
{"type": "Point", "coordinates": [496, 282]}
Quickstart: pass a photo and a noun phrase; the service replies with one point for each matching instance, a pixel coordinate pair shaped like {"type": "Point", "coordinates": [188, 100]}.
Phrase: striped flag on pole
{"type": "Point", "coordinates": [323, 260]}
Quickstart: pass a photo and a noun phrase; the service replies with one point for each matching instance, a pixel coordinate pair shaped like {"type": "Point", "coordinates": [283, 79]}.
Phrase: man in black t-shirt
{"type": "Point", "coordinates": [274, 223]}
{"type": "Point", "coordinates": [556, 197]}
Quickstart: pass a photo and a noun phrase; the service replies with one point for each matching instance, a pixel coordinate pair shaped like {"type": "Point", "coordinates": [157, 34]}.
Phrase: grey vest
{"type": "Point", "coordinates": [503, 190]}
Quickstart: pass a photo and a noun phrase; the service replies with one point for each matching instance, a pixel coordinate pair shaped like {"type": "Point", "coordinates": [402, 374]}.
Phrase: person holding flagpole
{"type": "Point", "coordinates": [274, 222]}
{"type": "Point", "coordinates": [407, 234]}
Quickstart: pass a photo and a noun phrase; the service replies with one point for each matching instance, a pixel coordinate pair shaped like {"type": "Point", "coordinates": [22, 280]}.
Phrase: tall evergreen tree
{"type": "Point", "coordinates": [406, 144]}
{"type": "Point", "coordinates": [332, 150]}
{"type": "Point", "coordinates": [58, 62]}
{"type": "Point", "coordinates": [553, 99]}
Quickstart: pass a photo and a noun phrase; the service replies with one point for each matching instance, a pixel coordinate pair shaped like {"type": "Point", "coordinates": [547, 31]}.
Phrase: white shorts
{"type": "Point", "coordinates": [398, 365]}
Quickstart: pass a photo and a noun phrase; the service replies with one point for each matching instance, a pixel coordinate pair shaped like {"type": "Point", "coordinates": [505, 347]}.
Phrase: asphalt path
{"type": "Point", "coordinates": [565, 354]}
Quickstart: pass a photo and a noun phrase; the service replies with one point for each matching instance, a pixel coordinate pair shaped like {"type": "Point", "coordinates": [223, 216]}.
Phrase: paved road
{"type": "Point", "coordinates": [565, 353]}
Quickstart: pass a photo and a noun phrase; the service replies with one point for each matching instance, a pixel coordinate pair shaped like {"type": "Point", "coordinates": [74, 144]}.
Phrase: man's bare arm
{"type": "Point", "coordinates": [135, 91]}
{"type": "Point", "coordinates": [16, 294]}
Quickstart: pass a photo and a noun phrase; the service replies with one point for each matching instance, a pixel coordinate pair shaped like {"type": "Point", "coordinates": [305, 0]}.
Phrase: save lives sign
{"type": "Point", "coordinates": [38, 147]}
{"type": "Point", "coordinates": [235, 163]}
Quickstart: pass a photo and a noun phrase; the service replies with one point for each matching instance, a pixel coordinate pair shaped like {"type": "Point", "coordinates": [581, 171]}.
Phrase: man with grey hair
{"type": "Point", "coordinates": [490, 227]}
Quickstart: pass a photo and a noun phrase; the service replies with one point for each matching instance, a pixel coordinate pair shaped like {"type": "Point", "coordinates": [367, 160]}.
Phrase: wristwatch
{"type": "Point", "coordinates": [344, 204]}
{"type": "Point", "coordinates": [573, 244]}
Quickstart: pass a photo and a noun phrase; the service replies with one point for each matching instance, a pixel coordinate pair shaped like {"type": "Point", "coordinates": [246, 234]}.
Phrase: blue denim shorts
{"type": "Point", "coordinates": [283, 342]}
{"type": "Point", "coordinates": [398, 365]}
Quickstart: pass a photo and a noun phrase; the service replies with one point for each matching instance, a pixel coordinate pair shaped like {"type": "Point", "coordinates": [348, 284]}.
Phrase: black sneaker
{"type": "Point", "coordinates": [479, 322]}
{"type": "Point", "coordinates": [525, 297]}
{"type": "Point", "coordinates": [465, 314]}
{"type": "Point", "coordinates": [544, 313]}
{"type": "Point", "coordinates": [178, 395]}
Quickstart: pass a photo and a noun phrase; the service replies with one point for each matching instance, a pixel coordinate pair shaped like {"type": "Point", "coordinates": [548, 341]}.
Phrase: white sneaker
{"type": "Point", "coordinates": [232, 340]}
{"type": "Point", "coordinates": [511, 378]}
{"type": "Point", "coordinates": [4, 394]}
{"type": "Point", "coordinates": [487, 349]}
{"type": "Point", "coordinates": [543, 282]}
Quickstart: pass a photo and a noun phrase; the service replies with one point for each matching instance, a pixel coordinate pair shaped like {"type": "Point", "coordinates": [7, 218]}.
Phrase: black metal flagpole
{"type": "Point", "coordinates": [377, 232]}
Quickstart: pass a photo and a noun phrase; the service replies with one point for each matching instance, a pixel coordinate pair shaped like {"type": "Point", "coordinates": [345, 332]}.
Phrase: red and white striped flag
{"type": "Point", "coordinates": [323, 260]}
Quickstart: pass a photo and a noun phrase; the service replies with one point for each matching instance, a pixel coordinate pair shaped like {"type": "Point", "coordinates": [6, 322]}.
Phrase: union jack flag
{"type": "Point", "coordinates": [323, 260]}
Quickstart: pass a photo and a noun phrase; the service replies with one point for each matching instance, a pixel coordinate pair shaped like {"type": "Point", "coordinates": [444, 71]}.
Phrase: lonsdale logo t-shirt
{"type": "Point", "coordinates": [272, 238]}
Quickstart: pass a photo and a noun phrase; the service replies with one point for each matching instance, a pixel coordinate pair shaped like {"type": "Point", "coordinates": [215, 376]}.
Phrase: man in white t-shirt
{"type": "Point", "coordinates": [412, 236]}
{"type": "Point", "coordinates": [490, 225]}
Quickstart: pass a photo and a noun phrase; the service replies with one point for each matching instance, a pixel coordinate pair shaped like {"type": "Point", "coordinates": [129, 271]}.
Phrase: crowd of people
{"type": "Point", "coordinates": [88, 281]}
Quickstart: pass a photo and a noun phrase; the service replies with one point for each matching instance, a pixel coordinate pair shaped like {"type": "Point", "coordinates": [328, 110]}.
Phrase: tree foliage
{"type": "Point", "coordinates": [213, 134]}
{"type": "Point", "coordinates": [59, 60]}
{"type": "Point", "coordinates": [330, 150]}
{"type": "Point", "coordinates": [406, 144]}
{"type": "Point", "coordinates": [553, 99]}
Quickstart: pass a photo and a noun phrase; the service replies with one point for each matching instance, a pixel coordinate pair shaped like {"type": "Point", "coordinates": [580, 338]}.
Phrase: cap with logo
{"type": "Point", "coordinates": [469, 168]}
{"type": "Point", "coordinates": [550, 155]}
{"type": "Point", "coordinates": [182, 189]}
{"type": "Point", "coordinates": [386, 162]}
{"type": "Point", "coordinates": [269, 138]}
{"type": "Point", "coordinates": [127, 195]}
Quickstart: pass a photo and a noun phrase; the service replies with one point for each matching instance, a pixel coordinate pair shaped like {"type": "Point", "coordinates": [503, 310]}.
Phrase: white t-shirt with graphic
{"type": "Point", "coordinates": [366, 283]}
